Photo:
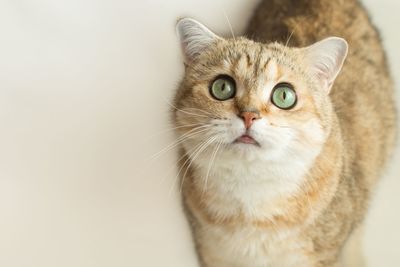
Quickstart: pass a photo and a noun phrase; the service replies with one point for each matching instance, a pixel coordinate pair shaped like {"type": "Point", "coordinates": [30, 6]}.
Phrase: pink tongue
{"type": "Point", "coordinates": [246, 139]}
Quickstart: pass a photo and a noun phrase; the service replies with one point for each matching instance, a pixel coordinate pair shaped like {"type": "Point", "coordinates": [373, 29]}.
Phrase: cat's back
{"type": "Point", "coordinates": [362, 95]}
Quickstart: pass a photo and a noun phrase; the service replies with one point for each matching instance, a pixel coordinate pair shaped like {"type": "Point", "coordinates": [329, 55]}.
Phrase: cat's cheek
{"type": "Point", "coordinates": [236, 129]}
{"type": "Point", "coordinates": [270, 137]}
{"type": "Point", "coordinates": [313, 132]}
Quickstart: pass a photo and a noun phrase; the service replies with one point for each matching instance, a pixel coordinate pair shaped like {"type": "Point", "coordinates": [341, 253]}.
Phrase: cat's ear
{"type": "Point", "coordinates": [194, 38]}
{"type": "Point", "coordinates": [325, 59]}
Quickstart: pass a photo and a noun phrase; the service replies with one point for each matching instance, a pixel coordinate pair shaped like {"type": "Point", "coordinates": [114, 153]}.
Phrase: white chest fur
{"type": "Point", "coordinates": [251, 247]}
{"type": "Point", "coordinates": [248, 185]}
{"type": "Point", "coordinates": [250, 188]}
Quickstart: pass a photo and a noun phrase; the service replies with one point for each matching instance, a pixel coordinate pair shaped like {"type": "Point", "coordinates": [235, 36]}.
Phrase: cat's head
{"type": "Point", "coordinates": [253, 100]}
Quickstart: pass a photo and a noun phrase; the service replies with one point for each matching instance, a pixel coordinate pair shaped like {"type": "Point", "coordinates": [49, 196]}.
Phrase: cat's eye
{"type": "Point", "coordinates": [223, 88]}
{"type": "Point", "coordinates": [284, 96]}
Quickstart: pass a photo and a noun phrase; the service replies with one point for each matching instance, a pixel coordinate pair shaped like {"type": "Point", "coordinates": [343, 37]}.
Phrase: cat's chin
{"type": "Point", "coordinates": [245, 149]}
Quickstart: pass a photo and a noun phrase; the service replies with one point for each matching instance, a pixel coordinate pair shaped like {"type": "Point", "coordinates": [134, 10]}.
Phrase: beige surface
{"type": "Point", "coordinates": [83, 85]}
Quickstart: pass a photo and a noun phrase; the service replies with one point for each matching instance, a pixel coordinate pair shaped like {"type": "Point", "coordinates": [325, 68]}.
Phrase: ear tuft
{"type": "Point", "coordinates": [194, 38]}
{"type": "Point", "coordinates": [326, 59]}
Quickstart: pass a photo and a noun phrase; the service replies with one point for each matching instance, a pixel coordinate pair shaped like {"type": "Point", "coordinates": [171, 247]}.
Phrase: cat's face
{"type": "Point", "coordinates": [252, 101]}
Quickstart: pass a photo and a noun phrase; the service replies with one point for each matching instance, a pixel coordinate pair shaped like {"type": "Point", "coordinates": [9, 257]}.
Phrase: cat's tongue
{"type": "Point", "coordinates": [246, 139]}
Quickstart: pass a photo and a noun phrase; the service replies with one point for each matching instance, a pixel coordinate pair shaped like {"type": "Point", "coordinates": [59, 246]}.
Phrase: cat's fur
{"type": "Point", "coordinates": [300, 197]}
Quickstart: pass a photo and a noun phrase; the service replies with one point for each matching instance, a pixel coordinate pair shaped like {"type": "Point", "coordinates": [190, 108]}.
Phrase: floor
{"type": "Point", "coordinates": [83, 107]}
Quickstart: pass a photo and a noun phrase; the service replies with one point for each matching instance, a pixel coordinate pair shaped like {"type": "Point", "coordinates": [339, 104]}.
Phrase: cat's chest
{"type": "Point", "coordinates": [235, 200]}
{"type": "Point", "coordinates": [254, 193]}
{"type": "Point", "coordinates": [247, 246]}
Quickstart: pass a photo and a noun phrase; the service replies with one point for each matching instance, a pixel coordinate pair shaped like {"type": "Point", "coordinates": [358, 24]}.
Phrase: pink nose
{"type": "Point", "coordinates": [249, 118]}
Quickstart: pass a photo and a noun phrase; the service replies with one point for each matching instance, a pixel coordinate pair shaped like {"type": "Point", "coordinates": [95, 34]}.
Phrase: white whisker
{"type": "Point", "coordinates": [197, 109]}
{"type": "Point", "coordinates": [179, 160]}
{"type": "Point", "coordinates": [195, 131]}
{"type": "Point", "coordinates": [229, 23]}
{"type": "Point", "coordinates": [188, 155]}
{"type": "Point", "coordinates": [210, 165]}
{"type": "Point", "coordinates": [191, 113]}
{"type": "Point", "coordinates": [287, 43]}
{"type": "Point", "coordinates": [183, 111]}
{"type": "Point", "coordinates": [204, 146]}
{"type": "Point", "coordinates": [174, 128]}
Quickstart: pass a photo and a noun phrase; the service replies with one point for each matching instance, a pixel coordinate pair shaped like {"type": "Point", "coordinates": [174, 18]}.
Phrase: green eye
{"type": "Point", "coordinates": [223, 88]}
{"type": "Point", "coordinates": [283, 96]}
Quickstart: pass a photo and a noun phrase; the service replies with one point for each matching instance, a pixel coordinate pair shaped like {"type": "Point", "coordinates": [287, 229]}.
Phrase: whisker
{"type": "Point", "coordinates": [174, 128]}
{"type": "Point", "coordinates": [287, 42]}
{"type": "Point", "coordinates": [229, 23]}
{"type": "Point", "coordinates": [185, 154]}
{"type": "Point", "coordinates": [195, 131]}
{"type": "Point", "coordinates": [282, 126]}
{"type": "Point", "coordinates": [186, 112]}
{"type": "Point", "coordinates": [169, 148]}
{"type": "Point", "coordinates": [209, 166]}
{"type": "Point", "coordinates": [210, 140]}
{"type": "Point", "coordinates": [180, 159]}
{"type": "Point", "coordinates": [188, 155]}
{"type": "Point", "coordinates": [191, 113]}
{"type": "Point", "coordinates": [204, 111]}
{"type": "Point", "coordinates": [290, 37]}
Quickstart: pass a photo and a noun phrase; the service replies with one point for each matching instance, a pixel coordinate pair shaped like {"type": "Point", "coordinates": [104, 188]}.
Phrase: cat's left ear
{"type": "Point", "coordinates": [194, 38]}
{"type": "Point", "coordinates": [325, 59]}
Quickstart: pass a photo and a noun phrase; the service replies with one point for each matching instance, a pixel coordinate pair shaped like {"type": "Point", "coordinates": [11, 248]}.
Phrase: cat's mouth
{"type": "Point", "coordinates": [247, 139]}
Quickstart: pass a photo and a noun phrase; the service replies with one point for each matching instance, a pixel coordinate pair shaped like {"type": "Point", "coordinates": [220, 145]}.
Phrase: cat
{"type": "Point", "coordinates": [283, 134]}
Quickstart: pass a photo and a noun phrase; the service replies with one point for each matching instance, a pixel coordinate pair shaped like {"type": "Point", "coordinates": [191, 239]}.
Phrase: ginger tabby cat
{"type": "Point", "coordinates": [281, 147]}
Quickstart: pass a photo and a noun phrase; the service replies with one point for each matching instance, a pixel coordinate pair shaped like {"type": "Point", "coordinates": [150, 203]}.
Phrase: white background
{"type": "Point", "coordinates": [83, 91]}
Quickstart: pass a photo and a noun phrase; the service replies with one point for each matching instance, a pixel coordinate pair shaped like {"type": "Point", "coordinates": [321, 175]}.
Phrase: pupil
{"type": "Point", "coordinates": [223, 87]}
{"type": "Point", "coordinates": [284, 95]}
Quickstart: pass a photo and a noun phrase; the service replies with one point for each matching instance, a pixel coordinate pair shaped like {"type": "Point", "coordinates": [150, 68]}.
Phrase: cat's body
{"type": "Point", "coordinates": [297, 195]}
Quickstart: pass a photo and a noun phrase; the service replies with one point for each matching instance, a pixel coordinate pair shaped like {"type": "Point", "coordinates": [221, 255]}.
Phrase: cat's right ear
{"type": "Point", "coordinates": [194, 38]}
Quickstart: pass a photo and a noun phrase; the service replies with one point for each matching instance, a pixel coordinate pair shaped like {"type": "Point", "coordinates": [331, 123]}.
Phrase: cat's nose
{"type": "Point", "coordinates": [249, 118]}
